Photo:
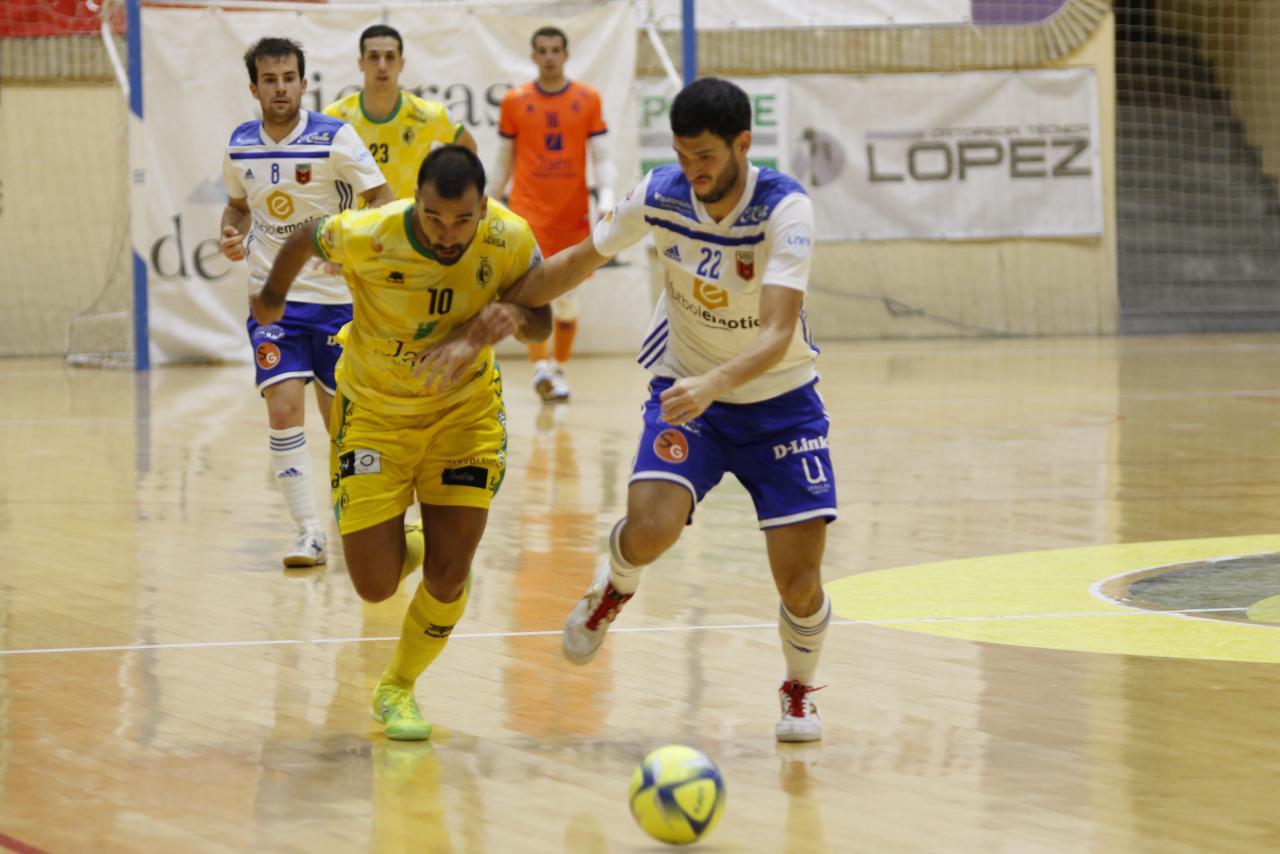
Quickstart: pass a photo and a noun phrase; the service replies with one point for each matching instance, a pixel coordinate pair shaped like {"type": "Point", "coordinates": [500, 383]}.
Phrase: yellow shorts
{"type": "Point", "coordinates": [456, 457]}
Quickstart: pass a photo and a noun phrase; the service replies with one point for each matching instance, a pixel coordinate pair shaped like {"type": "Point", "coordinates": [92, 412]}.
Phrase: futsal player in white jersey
{"type": "Point", "coordinates": [282, 171]}
{"type": "Point", "coordinates": [734, 376]}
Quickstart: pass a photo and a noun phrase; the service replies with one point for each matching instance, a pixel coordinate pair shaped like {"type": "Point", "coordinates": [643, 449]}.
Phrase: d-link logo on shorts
{"type": "Point", "coordinates": [280, 204]}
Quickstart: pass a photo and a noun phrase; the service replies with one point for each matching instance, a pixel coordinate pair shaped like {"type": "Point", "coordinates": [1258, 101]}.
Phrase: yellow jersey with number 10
{"type": "Point", "coordinates": [400, 142]}
{"type": "Point", "coordinates": [405, 300]}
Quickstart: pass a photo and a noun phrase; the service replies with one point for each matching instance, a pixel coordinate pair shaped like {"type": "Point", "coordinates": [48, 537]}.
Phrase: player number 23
{"type": "Point", "coordinates": [379, 152]}
{"type": "Point", "coordinates": [709, 267]}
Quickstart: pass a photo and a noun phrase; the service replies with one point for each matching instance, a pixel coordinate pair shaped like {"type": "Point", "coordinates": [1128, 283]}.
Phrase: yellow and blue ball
{"type": "Point", "coordinates": [677, 794]}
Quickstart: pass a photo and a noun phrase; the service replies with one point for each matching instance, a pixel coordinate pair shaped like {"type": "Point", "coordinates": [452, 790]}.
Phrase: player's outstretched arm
{"type": "Point", "coordinates": [559, 274]}
{"type": "Point", "coordinates": [267, 305]}
{"type": "Point", "coordinates": [779, 311]}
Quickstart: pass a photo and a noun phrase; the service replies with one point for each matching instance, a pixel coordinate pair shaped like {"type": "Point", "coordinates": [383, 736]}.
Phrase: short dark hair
{"type": "Point", "coordinates": [378, 31]}
{"type": "Point", "coordinates": [276, 49]}
{"type": "Point", "coordinates": [548, 31]}
{"type": "Point", "coordinates": [713, 104]}
{"type": "Point", "coordinates": [451, 169]}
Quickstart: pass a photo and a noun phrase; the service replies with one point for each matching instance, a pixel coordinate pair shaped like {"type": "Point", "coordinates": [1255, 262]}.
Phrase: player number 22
{"type": "Point", "coordinates": [709, 267]}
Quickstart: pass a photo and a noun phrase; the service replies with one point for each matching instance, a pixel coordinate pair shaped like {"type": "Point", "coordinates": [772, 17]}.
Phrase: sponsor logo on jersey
{"type": "Point", "coordinates": [424, 329]}
{"type": "Point", "coordinates": [746, 260]}
{"type": "Point", "coordinates": [753, 215]}
{"type": "Point", "coordinates": [497, 226]}
{"type": "Point", "coordinates": [395, 277]}
{"type": "Point", "coordinates": [799, 241]}
{"type": "Point", "coordinates": [672, 446]}
{"type": "Point", "coordinates": [672, 203]}
{"type": "Point", "coordinates": [320, 137]}
{"type": "Point", "coordinates": [268, 355]}
{"type": "Point", "coordinates": [490, 240]}
{"type": "Point", "coordinates": [360, 461]}
{"type": "Point", "coordinates": [248, 174]}
{"type": "Point", "coordinates": [280, 205]}
{"type": "Point", "coordinates": [712, 296]}
{"type": "Point", "coordinates": [302, 173]}
{"type": "Point", "coordinates": [709, 318]}
{"type": "Point", "coordinates": [673, 252]}
{"type": "Point", "coordinates": [271, 332]}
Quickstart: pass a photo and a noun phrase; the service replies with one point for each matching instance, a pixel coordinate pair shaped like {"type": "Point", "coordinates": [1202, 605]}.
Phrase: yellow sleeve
{"type": "Point", "coordinates": [345, 237]}
{"type": "Point", "coordinates": [334, 110]}
{"type": "Point", "coordinates": [441, 127]}
{"type": "Point", "coordinates": [524, 256]}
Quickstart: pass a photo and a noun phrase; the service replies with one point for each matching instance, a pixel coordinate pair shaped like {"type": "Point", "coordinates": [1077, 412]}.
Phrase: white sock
{"type": "Point", "coordinates": [292, 466]}
{"type": "Point", "coordinates": [802, 639]}
{"type": "Point", "coordinates": [625, 576]}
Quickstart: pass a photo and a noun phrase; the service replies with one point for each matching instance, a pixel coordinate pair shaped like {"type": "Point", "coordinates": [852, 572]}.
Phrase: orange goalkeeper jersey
{"type": "Point", "coordinates": [551, 131]}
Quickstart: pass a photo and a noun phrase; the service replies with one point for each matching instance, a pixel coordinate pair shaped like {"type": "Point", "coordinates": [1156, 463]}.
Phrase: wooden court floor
{"type": "Point", "coordinates": [166, 686]}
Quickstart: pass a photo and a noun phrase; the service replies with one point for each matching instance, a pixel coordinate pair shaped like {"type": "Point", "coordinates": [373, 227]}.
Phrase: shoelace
{"type": "Point", "coordinates": [607, 608]}
{"type": "Point", "coordinates": [797, 693]}
{"type": "Point", "coordinates": [401, 703]}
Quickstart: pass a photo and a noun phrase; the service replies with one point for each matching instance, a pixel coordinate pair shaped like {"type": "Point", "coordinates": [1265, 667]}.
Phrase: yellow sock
{"type": "Point", "coordinates": [415, 548]}
{"type": "Point", "coordinates": [425, 631]}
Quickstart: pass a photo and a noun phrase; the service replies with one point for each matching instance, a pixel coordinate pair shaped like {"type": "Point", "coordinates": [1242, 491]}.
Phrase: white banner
{"type": "Point", "coordinates": [949, 156]}
{"type": "Point", "coordinates": [775, 14]}
{"type": "Point", "coordinates": [196, 90]}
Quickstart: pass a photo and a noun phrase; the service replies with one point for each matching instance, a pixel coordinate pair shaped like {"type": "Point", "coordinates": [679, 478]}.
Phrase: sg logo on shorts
{"type": "Point", "coordinates": [672, 446]}
{"type": "Point", "coordinates": [268, 355]}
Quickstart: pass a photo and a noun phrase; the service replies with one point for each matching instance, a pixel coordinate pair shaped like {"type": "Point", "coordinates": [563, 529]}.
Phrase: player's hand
{"type": "Point", "coordinates": [448, 360]}
{"type": "Point", "coordinates": [265, 308]}
{"type": "Point", "coordinates": [232, 244]}
{"type": "Point", "coordinates": [688, 398]}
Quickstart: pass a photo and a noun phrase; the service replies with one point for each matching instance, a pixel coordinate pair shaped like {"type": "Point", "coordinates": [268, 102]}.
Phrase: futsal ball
{"type": "Point", "coordinates": [677, 795]}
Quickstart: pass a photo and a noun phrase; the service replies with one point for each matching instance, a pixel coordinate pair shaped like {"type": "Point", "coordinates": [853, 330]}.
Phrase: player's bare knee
{"type": "Point", "coordinates": [374, 587]}
{"type": "Point", "coordinates": [647, 536]}
{"type": "Point", "coordinates": [801, 591]}
{"type": "Point", "coordinates": [283, 414]}
{"type": "Point", "coordinates": [446, 579]}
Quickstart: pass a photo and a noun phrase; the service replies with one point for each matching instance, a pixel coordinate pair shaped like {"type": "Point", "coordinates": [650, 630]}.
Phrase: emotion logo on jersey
{"type": "Point", "coordinates": [710, 295]}
{"type": "Point", "coordinates": [268, 355]}
{"type": "Point", "coordinates": [280, 205]}
{"type": "Point", "coordinates": [672, 446]}
{"type": "Point", "coordinates": [746, 264]}
{"type": "Point", "coordinates": [302, 173]}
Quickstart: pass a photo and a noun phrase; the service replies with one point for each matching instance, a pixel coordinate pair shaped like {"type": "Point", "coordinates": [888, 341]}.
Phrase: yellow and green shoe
{"type": "Point", "coordinates": [397, 710]}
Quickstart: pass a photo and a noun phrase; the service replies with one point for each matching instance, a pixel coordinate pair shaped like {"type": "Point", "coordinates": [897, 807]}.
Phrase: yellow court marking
{"type": "Point", "coordinates": [1046, 599]}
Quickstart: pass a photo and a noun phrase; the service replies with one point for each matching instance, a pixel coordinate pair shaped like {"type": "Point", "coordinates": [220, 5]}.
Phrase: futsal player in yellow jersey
{"type": "Point", "coordinates": [420, 271]}
{"type": "Point", "coordinates": [397, 126]}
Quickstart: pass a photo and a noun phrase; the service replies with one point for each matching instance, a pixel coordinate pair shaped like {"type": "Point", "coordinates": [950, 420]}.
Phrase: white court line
{"type": "Point", "coordinates": [143, 647]}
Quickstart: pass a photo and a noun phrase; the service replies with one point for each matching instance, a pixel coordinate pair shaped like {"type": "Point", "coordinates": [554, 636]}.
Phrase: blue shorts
{"type": "Point", "coordinates": [302, 344]}
{"type": "Point", "coordinates": [777, 448]}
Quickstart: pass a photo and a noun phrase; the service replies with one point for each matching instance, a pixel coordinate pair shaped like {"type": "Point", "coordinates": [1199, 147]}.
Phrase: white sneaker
{"type": "Point", "coordinates": [307, 551]}
{"type": "Point", "coordinates": [800, 719]}
{"type": "Point", "coordinates": [549, 382]}
{"type": "Point", "coordinates": [590, 618]}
